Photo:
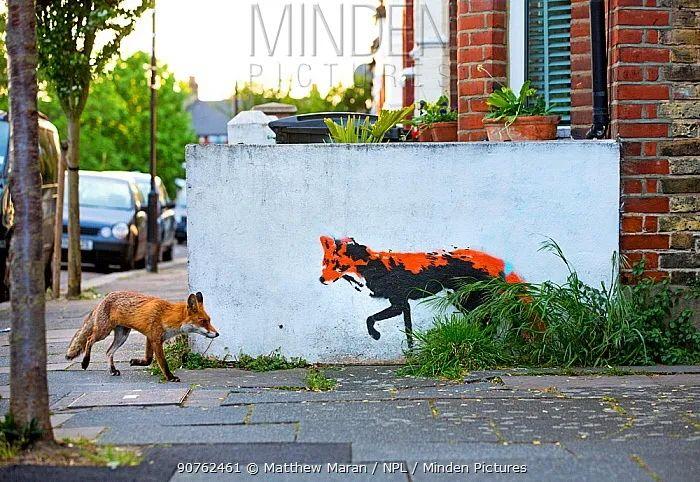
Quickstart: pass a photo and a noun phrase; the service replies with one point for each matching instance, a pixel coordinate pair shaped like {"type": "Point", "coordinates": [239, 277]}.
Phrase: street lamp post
{"type": "Point", "coordinates": [153, 234]}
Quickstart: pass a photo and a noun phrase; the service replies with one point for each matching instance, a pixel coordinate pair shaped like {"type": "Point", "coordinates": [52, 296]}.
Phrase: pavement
{"type": "Point", "coordinates": [376, 425]}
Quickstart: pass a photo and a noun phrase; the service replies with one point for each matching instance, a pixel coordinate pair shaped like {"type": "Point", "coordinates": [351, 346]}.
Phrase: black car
{"type": "Point", "coordinates": [166, 213]}
{"type": "Point", "coordinates": [181, 215]}
{"type": "Point", "coordinates": [112, 221]}
{"type": "Point", "coordinates": [49, 154]}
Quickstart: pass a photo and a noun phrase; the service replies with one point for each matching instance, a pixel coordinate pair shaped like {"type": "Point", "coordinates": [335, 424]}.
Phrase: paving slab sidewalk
{"type": "Point", "coordinates": [641, 426]}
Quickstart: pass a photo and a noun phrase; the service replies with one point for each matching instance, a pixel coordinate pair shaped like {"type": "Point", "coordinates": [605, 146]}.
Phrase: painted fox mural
{"type": "Point", "coordinates": [400, 277]}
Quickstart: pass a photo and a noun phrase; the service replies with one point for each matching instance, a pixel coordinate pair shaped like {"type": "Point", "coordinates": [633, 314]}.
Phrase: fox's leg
{"type": "Point", "coordinates": [120, 335]}
{"type": "Point", "coordinates": [408, 324]}
{"type": "Point", "coordinates": [162, 362]}
{"type": "Point", "coordinates": [392, 311]}
{"type": "Point", "coordinates": [143, 362]}
{"type": "Point", "coordinates": [101, 329]}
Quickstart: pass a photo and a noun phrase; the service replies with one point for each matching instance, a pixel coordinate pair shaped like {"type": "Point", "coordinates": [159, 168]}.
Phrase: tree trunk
{"type": "Point", "coordinates": [73, 158]}
{"type": "Point", "coordinates": [58, 225]}
{"type": "Point", "coordinates": [29, 398]}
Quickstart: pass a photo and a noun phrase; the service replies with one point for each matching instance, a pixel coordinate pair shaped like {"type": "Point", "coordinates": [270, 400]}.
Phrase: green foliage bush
{"type": "Point", "coordinates": [266, 363]}
{"type": "Point", "coordinates": [115, 133]}
{"type": "Point", "coordinates": [558, 325]}
{"type": "Point", "coordinates": [365, 132]}
{"type": "Point", "coordinates": [16, 436]}
{"type": "Point", "coordinates": [430, 113]}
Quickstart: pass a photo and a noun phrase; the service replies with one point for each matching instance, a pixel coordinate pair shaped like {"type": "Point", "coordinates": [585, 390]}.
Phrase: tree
{"type": "Point", "coordinates": [28, 385]}
{"type": "Point", "coordinates": [3, 63]}
{"type": "Point", "coordinates": [70, 57]}
{"type": "Point", "coordinates": [114, 131]}
{"type": "Point", "coordinates": [338, 99]}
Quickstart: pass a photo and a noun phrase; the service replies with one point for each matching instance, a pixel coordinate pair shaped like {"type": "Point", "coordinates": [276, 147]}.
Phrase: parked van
{"type": "Point", "coordinates": [49, 154]}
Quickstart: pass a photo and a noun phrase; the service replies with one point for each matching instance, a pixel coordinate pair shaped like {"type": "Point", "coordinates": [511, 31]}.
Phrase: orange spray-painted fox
{"type": "Point", "coordinates": [157, 319]}
{"type": "Point", "coordinates": [400, 277]}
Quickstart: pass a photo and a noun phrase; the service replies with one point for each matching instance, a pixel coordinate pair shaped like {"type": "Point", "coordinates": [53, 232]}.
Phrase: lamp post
{"type": "Point", "coordinates": [153, 247]}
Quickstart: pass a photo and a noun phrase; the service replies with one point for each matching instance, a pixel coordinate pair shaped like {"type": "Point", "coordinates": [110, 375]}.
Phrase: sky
{"type": "Point", "coordinates": [213, 40]}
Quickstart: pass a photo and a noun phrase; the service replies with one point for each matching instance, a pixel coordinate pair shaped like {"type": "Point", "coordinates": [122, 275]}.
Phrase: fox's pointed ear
{"type": "Point", "coordinates": [327, 242]}
{"type": "Point", "coordinates": [192, 303]}
{"type": "Point", "coordinates": [200, 297]}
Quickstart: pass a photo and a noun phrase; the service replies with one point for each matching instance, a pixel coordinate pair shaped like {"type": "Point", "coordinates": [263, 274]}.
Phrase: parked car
{"type": "Point", "coordinates": [112, 221]}
{"type": "Point", "coordinates": [166, 217]}
{"type": "Point", "coordinates": [181, 215]}
{"type": "Point", "coordinates": [49, 154]}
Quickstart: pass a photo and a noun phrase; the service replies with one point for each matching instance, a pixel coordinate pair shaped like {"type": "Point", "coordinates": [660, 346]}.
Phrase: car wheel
{"type": "Point", "coordinates": [48, 275]}
{"type": "Point", "coordinates": [102, 267]}
{"type": "Point", "coordinates": [168, 254]}
{"type": "Point", "coordinates": [127, 263]}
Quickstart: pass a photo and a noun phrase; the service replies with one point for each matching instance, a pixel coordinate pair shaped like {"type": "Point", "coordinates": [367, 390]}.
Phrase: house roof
{"type": "Point", "coordinates": [209, 118]}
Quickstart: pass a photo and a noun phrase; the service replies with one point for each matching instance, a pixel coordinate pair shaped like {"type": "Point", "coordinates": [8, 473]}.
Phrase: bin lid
{"type": "Point", "coordinates": [314, 122]}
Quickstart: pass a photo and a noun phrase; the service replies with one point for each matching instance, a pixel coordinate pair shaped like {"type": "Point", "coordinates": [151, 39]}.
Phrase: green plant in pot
{"type": "Point", "coordinates": [522, 117]}
{"type": "Point", "coordinates": [436, 122]}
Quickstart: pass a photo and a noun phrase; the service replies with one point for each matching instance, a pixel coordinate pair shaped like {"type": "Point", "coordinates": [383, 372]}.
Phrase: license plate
{"type": "Point", "coordinates": [85, 244]}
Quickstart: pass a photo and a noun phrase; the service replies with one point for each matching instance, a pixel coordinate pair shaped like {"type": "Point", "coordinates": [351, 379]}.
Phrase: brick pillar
{"type": "Point", "coordinates": [481, 40]}
{"type": "Point", "coordinates": [454, 96]}
{"type": "Point", "coordinates": [408, 44]}
{"type": "Point", "coordinates": [581, 81]}
{"type": "Point", "coordinates": [682, 153]}
{"type": "Point", "coordinates": [653, 99]}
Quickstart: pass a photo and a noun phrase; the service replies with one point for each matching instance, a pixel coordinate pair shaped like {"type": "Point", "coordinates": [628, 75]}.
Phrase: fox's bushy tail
{"type": "Point", "coordinates": [77, 344]}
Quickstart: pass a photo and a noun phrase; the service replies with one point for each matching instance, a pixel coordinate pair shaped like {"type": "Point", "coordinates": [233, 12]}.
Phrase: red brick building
{"type": "Point", "coordinates": [653, 87]}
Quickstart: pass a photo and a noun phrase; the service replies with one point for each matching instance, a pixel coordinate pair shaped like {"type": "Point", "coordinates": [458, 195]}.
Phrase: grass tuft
{"type": "Point", "coordinates": [454, 346]}
{"type": "Point", "coordinates": [266, 363]}
{"type": "Point", "coordinates": [316, 381]}
{"type": "Point", "coordinates": [179, 355]}
{"type": "Point", "coordinates": [557, 325]}
{"type": "Point", "coordinates": [105, 455]}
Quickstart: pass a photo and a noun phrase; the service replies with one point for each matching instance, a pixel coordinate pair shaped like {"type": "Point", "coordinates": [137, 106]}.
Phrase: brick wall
{"type": "Point", "coordinates": [454, 96]}
{"type": "Point", "coordinates": [682, 186]}
{"type": "Point", "coordinates": [655, 111]}
{"type": "Point", "coordinates": [481, 40]}
{"type": "Point", "coordinates": [654, 89]}
{"type": "Point", "coordinates": [581, 80]}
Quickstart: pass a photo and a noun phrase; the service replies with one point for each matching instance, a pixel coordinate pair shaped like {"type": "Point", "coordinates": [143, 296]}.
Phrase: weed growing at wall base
{"type": "Point", "coordinates": [558, 325]}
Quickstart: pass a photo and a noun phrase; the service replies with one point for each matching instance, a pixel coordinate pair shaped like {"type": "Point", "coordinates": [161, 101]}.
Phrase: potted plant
{"type": "Point", "coordinates": [436, 122]}
{"type": "Point", "coordinates": [524, 117]}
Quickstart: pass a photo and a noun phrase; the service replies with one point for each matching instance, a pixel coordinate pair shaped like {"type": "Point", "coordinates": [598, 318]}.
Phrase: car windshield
{"type": "Point", "coordinates": [4, 143]}
{"type": "Point", "coordinates": [103, 192]}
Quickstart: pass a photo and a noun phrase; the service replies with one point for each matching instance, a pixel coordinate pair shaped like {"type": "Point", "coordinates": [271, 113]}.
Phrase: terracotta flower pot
{"type": "Point", "coordinates": [526, 128]}
{"type": "Point", "coordinates": [445, 131]}
{"type": "Point", "coordinates": [425, 133]}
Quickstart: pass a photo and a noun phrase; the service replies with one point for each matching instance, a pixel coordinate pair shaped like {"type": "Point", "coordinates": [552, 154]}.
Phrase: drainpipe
{"type": "Point", "coordinates": [599, 58]}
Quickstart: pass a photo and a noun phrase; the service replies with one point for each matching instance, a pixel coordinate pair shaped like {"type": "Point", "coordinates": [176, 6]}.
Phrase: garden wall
{"type": "Point", "coordinates": [262, 219]}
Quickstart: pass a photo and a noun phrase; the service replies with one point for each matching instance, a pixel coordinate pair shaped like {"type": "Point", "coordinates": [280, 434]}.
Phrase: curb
{"type": "Point", "coordinates": [106, 279]}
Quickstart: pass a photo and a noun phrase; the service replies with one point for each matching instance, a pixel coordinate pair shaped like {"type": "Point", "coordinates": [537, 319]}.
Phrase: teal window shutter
{"type": "Point", "coordinates": [549, 53]}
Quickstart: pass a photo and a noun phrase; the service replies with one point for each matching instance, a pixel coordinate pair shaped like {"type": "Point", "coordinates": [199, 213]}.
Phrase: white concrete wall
{"type": "Point", "coordinates": [256, 214]}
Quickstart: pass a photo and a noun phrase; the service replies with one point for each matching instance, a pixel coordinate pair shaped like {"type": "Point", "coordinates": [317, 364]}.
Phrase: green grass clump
{"type": "Point", "coordinates": [455, 345]}
{"type": "Point", "coordinates": [316, 381]}
{"type": "Point", "coordinates": [15, 437]}
{"type": "Point", "coordinates": [266, 363]}
{"type": "Point", "coordinates": [179, 354]}
{"type": "Point", "coordinates": [558, 325]}
{"type": "Point", "coordinates": [105, 455]}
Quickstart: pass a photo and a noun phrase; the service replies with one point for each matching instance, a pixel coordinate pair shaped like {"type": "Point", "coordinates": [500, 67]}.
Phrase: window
{"type": "Point", "coordinates": [549, 52]}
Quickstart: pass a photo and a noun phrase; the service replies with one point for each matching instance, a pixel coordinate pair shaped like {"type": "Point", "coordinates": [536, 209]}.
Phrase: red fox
{"type": "Point", "coordinates": [400, 277]}
{"type": "Point", "coordinates": [158, 320]}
